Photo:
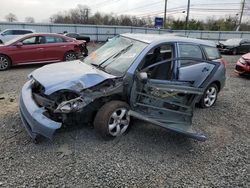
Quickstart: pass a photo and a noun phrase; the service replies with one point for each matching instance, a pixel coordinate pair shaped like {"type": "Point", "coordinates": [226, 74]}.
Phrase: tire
{"type": "Point", "coordinates": [5, 62]}
{"type": "Point", "coordinates": [1, 42]}
{"type": "Point", "coordinates": [209, 97]}
{"type": "Point", "coordinates": [70, 56]}
{"type": "Point", "coordinates": [112, 120]}
{"type": "Point", "coordinates": [234, 52]}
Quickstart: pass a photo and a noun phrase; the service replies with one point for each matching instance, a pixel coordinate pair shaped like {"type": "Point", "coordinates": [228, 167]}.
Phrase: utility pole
{"type": "Point", "coordinates": [187, 17]}
{"type": "Point", "coordinates": [165, 14]}
{"type": "Point", "coordinates": [241, 14]}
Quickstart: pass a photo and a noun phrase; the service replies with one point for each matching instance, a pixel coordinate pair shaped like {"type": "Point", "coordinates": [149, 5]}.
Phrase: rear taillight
{"type": "Point", "coordinates": [223, 62]}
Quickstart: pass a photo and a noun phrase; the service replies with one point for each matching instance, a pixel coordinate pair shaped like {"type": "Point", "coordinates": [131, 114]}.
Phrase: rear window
{"type": "Point", "coordinates": [212, 53]}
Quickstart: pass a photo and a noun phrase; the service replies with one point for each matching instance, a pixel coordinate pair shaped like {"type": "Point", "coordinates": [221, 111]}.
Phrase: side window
{"type": "Point", "coordinates": [211, 53]}
{"type": "Point", "coordinates": [41, 40]}
{"type": "Point", "coordinates": [29, 41]}
{"type": "Point", "coordinates": [50, 39]}
{"type": "Point", "coordinates": [59, 39]}
{"type": "Point", "coordinates": [17, 32]}
{"type": "Point", "coordinates": [189, 51]}
{"type": "Point", "coordinates": [54, 39]}
{"type": "Point", "coordinates": [162, 71]}
{"type": "Point", "coordinates": [21, 32]}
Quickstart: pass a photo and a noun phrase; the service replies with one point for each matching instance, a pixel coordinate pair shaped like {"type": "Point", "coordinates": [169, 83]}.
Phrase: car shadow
{"type": "Point", "coordinates": [139, 132]}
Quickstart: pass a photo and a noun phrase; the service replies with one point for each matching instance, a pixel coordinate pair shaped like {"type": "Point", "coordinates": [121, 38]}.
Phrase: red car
{"type": "Point", "coordinates": [243, 65]}
{"type": "Point", "coordinates": [39, 48]}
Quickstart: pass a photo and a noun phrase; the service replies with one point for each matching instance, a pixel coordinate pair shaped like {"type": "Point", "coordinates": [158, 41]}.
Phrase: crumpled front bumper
{"type": "Point", "coordinates": [33, 118]}
{"type": "Point", "coordinates": [242, 69]}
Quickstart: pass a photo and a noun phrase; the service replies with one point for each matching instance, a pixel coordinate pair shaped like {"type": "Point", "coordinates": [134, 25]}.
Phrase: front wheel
{"type": "Point", "coordinates": [112, 120]}
{"type": "Point", "coordinates": [209, 97]}
{"type": "Point", "coordinates": [5, 62]}
{"type": "Point", "coordinates": [70, 56]}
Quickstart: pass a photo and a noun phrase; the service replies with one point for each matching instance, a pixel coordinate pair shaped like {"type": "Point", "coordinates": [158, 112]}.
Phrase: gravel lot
{"type": "Point", "coordinates": [148, 156]}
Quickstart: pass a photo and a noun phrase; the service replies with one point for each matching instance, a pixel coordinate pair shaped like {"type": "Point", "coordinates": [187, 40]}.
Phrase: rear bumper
{"type": "Point", "coordinates": [33, 118]}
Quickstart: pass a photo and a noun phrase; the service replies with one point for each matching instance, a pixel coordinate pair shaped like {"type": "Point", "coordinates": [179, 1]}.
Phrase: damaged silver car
{"type": "Point", "coordinates": [155, 78]}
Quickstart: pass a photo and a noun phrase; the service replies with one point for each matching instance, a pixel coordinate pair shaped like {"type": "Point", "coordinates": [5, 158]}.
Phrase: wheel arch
{"type": "Point", "coordinates": [7, 57]}
{"type": "Point", "coordinates": [218, 84]}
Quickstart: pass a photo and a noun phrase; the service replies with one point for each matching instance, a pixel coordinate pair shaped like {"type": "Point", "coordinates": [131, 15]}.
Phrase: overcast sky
{"type": "Point", "coordinates": [41, 10]}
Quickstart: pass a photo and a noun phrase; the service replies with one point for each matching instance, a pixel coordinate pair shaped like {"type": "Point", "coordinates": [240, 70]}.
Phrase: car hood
{"type": "Point", "coordinates": [246, 56]}
{"type": "Point", "coordinates": [226, 44]}
{"type": "Point", "coordinates": [72, 75]}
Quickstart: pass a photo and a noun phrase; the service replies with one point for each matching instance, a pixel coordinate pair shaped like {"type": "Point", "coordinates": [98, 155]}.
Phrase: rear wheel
{"type": "Point", "coordinates": [5, 62]}
{"type": "Point", "coordinates": [112, 120]}
{"type": "Point", "coordinates": [209, 97]}
{"type": "Point", "coordinates": [70, 56]}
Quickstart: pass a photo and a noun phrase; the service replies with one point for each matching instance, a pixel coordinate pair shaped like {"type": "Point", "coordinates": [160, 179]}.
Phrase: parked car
{"type": "Point", "coordinates": [155, 78]}
{"type": "Point", "coordinates": [243, 65]}
{"type": "Point", "coordinates": [78, 36]}
{"type": "Point", "coordinates": [234, 46]}
{"type": "Point", "coordinates": [39, 48]}
{"type": "Point", "coordinates": [9, 34]}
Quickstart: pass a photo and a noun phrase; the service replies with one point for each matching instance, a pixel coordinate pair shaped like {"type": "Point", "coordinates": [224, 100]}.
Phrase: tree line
{"type": "Point", "coordinates": [82, 15]}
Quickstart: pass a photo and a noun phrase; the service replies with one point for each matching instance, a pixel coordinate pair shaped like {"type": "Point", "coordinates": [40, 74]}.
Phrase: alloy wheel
{"type": "Point", "coordinates": [4, 63]}
{"type": "Point", "coordinates": [70, 57]}
{"type": "Point", "coordinates": [210, 97]}
{"type": "Point", "coordinates": [118, 122]}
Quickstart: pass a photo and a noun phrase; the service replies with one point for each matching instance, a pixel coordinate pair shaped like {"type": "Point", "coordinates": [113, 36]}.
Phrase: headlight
{"type": "Point", "coordinates": [242, 61]}
{"type": "Point", "coordinates": [72, 105]}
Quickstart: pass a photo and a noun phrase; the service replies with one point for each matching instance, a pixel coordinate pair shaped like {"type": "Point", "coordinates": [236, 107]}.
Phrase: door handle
{"type": "Point", "coordinates": [40, 48]}
{"type": "Point", "coordinates": [205, 69]}
{"type": "Point", "coordinates": [63, 46]}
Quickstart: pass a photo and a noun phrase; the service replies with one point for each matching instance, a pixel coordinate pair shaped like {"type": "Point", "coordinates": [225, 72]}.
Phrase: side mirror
{"type": "Point", "coordinates": [143, 77]}
{"type": "Point", "coordinates": [19, 44]}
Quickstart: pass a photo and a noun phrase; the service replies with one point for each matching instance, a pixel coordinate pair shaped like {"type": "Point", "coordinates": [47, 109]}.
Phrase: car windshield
{"type": "Point", "coordinates": [116, 56]}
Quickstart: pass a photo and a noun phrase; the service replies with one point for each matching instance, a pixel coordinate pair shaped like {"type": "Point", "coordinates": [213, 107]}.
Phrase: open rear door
{"type": "Point", "coordinates": [168, 104]}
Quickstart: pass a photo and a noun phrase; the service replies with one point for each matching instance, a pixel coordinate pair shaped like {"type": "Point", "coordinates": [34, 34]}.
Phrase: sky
{"type": "Point", "coordinates": [41, 10]}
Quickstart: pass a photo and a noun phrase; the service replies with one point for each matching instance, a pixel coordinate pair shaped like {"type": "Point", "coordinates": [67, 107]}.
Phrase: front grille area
{"type": "Point", "coordinates": [239, 68]}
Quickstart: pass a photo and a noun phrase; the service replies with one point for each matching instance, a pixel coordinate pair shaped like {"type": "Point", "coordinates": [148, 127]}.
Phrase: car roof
{"type": "Point", "coordinates": [44, 34]}
{"type": "Point", "coordinates": [19, 30]}
{"type": "Point", "coordinates": [159, 38]}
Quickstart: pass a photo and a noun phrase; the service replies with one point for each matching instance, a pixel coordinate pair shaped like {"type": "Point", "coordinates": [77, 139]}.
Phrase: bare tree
{"type": "Point", "coordinates": [30, 19]}
{"type": "Point", "coordinates": [11, 17]}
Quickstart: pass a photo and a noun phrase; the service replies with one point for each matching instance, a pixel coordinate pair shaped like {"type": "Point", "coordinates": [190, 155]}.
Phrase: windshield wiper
{"type": "Point", "coordinates": [123, 50]}
{"type": "Point", "coordinates": [115, 55]}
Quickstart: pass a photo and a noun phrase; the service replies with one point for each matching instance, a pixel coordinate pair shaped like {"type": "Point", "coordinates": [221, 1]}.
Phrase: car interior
{"type": "Point", "coordinates": [163, 71]}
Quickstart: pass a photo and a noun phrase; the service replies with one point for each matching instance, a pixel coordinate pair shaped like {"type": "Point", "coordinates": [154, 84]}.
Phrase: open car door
{"type": "Point", "coordinates": [165, 103]}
